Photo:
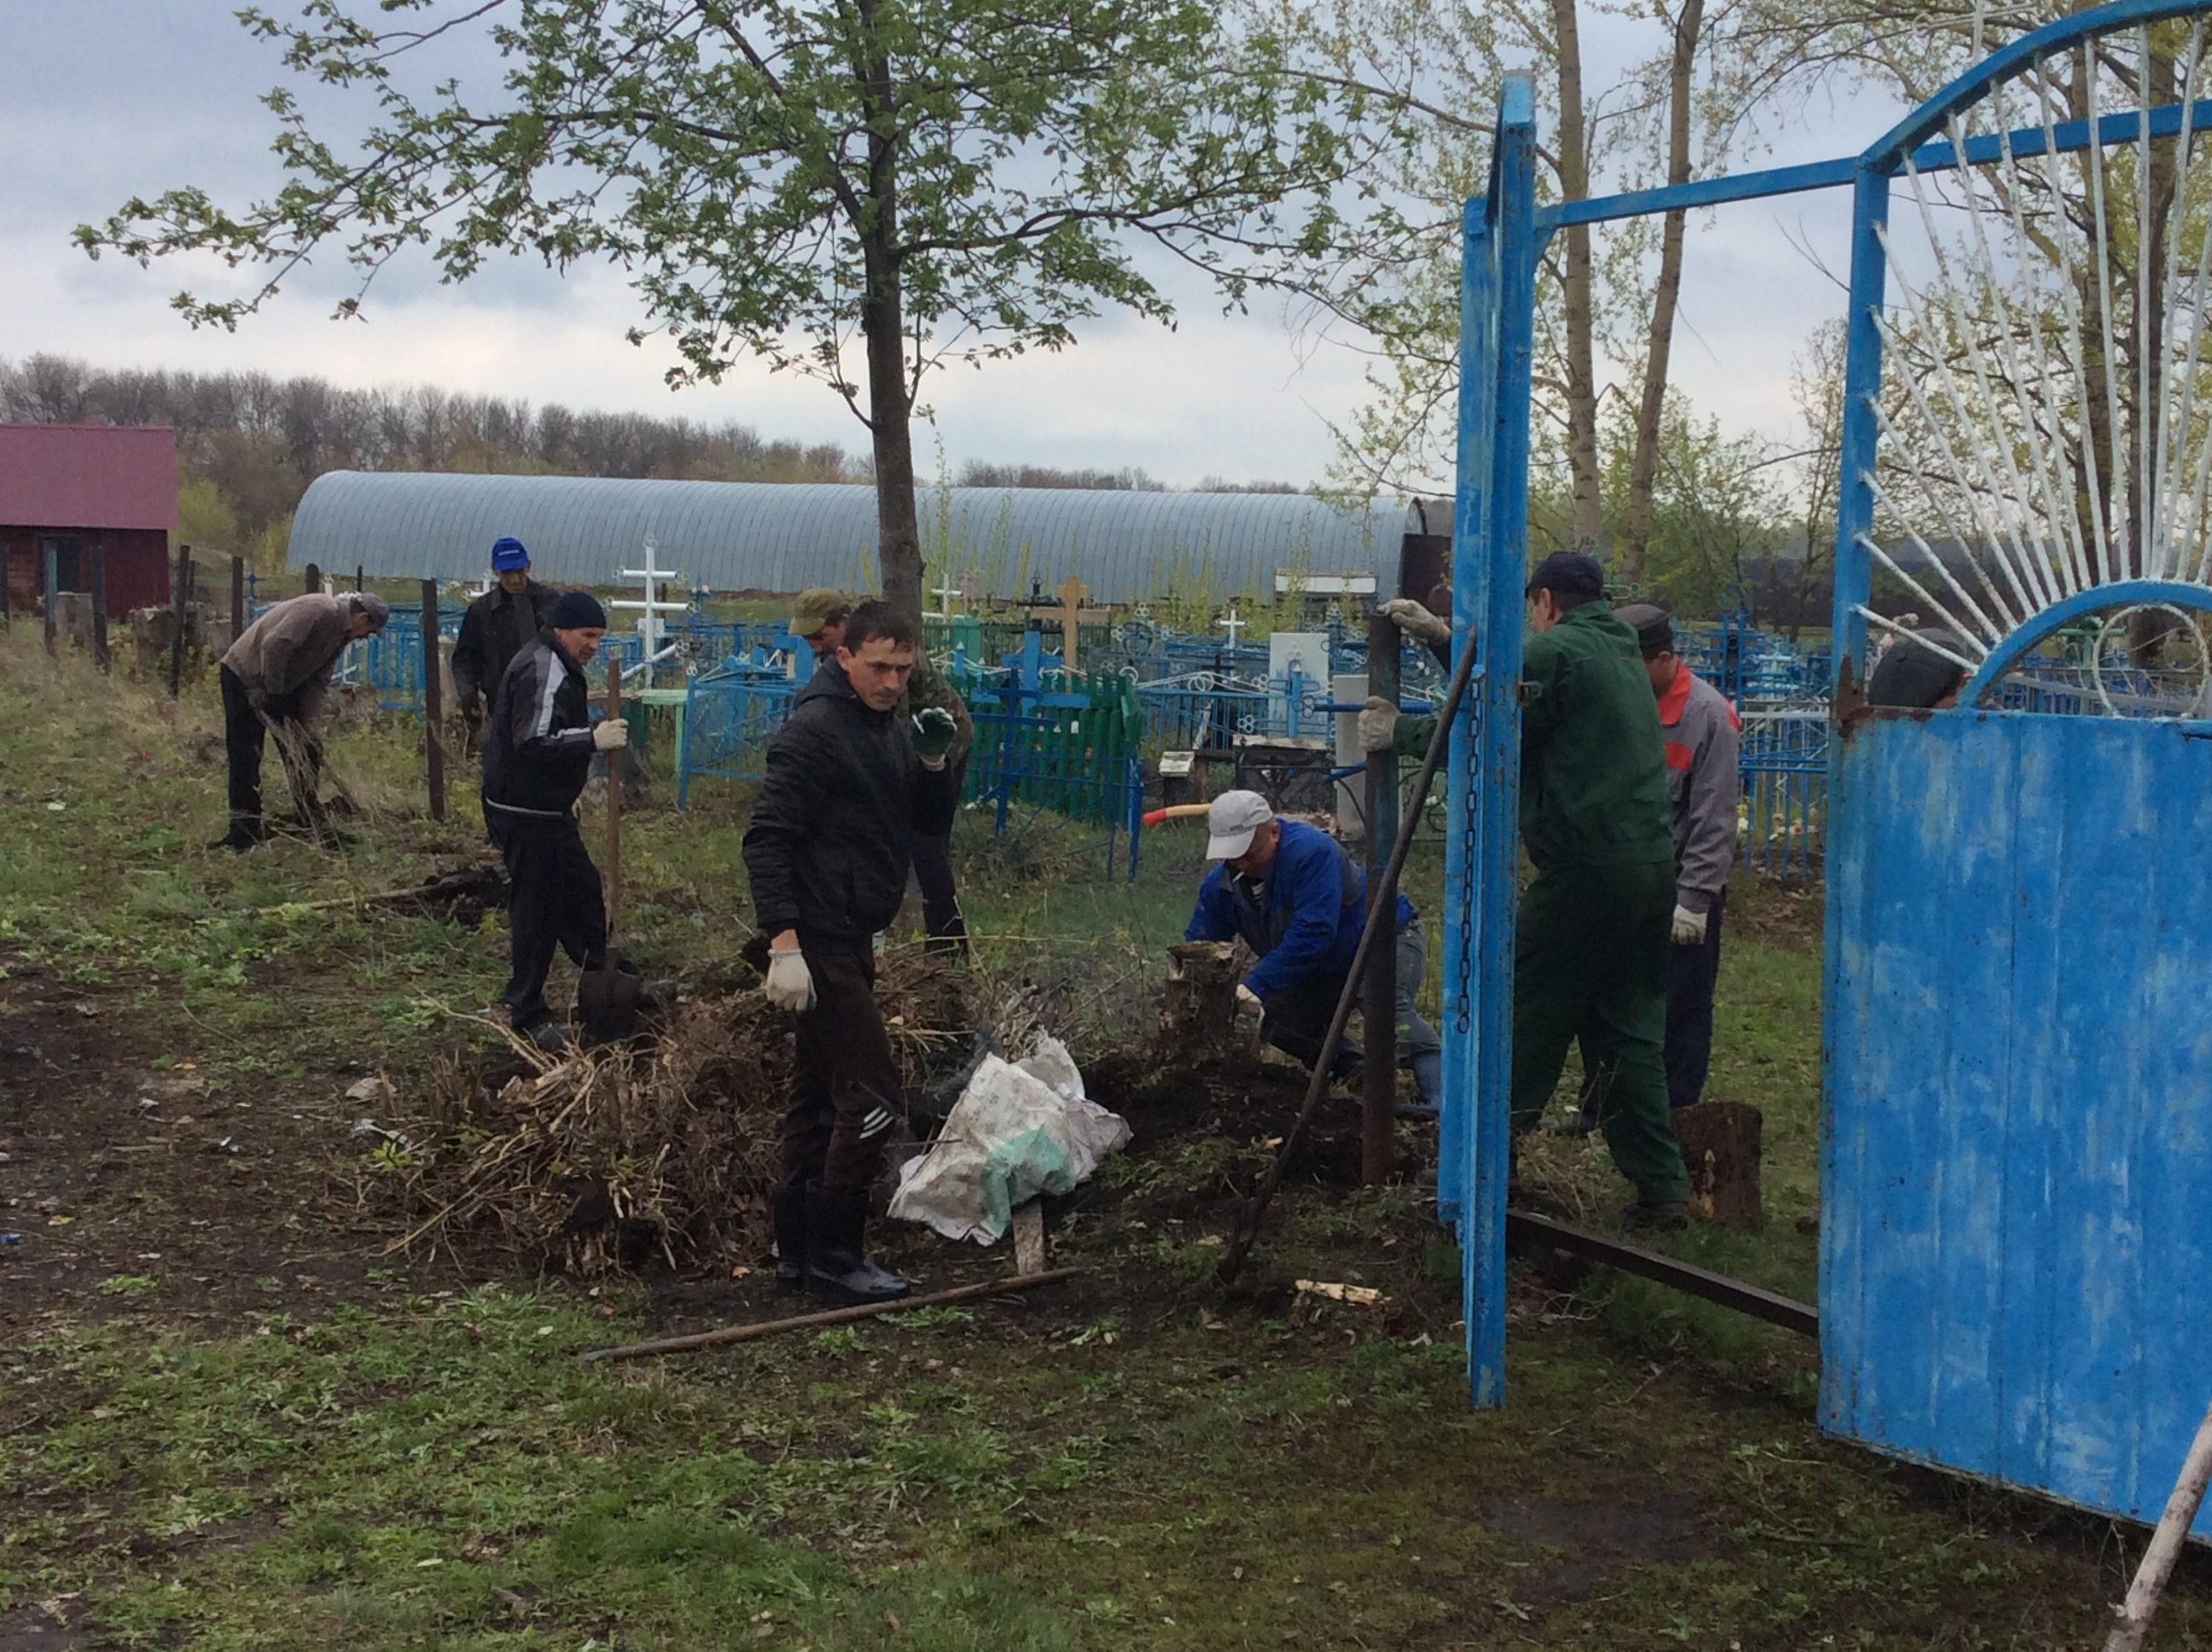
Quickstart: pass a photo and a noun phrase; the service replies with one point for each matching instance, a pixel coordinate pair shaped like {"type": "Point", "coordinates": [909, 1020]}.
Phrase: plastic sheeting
{"type": "Point", "coordinates": [1019, 1129]}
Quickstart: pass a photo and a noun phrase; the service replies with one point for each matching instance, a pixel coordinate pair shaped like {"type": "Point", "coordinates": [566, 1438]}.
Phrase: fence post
{"type": "Point", "coordinates": [359, 578]}
{"type": "Point", "coordinates": [51, 584]}
{"type": "Point", "coordinates": [434, 738]}
{"type": "Point", "coordinates": [237, 597]}
{"type": "Point", "coordinates": [179, 604]}
{"type": "Point", "coordinates": [96, 577]}
{"type": "Point", "coordinates": [312, 581]}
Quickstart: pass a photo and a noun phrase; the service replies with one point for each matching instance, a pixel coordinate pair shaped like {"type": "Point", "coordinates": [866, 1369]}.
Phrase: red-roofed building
{"type": "Point", "coordinates": [69, 487]}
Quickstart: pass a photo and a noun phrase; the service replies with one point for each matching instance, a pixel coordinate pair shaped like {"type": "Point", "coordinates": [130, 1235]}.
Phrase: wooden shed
{"type": "Point", "coordinates": [68, 490]}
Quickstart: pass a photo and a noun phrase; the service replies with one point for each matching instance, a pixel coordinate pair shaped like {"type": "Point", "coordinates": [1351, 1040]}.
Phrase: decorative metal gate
{"type": "Point", "coordinates": [2017, 1161]}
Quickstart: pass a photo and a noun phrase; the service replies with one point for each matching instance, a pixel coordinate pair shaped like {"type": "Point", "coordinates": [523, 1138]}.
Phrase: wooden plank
{"type": "Point", "coordinates": [1032, 1254]}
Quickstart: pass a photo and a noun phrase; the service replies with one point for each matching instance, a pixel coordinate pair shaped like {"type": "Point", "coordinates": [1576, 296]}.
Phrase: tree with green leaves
{"type": "Point", "coordinates": [905, 182]}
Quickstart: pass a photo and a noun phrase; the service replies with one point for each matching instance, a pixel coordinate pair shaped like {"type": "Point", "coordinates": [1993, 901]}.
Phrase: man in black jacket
{"type": "Point", "coordinates": [537, 755]}
{"type": "Point", "coordinates": [849, 789]}
{"type": "Point", "coordinates": [496, 627]}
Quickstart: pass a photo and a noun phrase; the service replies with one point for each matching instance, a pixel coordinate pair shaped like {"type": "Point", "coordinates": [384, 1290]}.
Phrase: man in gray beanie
{"type": "Point", "coordinates": [276, 679]}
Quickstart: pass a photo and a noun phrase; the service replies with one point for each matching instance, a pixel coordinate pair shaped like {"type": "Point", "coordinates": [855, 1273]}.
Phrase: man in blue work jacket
{"type": "Point", "coordinates": [1291, 893]}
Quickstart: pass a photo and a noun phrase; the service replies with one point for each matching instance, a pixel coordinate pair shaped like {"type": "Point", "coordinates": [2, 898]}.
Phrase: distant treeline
{"type": "Point", "coordinates": [248, 444]}
{"type": "Point", "coordinates": [1131, 479]}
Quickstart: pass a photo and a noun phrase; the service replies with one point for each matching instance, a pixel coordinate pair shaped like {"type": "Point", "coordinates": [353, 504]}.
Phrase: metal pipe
{"type": "Point", "coordinates": [1379, 1107]}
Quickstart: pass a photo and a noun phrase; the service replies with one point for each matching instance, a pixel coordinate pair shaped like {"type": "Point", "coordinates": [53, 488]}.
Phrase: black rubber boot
{"type": "Point", "coordinates": [246, 834]}
{"type": "Point", "coordinates": [787, 1206]}
{"type": "Point", "coordinates": [837, 1266]}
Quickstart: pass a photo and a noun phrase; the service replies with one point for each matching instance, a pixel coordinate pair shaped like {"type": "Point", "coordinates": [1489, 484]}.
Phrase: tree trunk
{"type": "Point", "coordinates": [883, 327]}
{"type": "Point", "coordinates": [1588, 521]}
{"type": "Point", "coordinates": [1644, 465]}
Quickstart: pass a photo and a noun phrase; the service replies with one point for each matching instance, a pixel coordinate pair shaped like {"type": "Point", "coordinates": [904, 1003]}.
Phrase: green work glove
{"type": "Point", "coordinates": [933, 729]}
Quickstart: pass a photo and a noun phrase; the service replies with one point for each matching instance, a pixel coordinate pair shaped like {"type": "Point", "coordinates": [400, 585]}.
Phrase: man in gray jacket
{"type": "Point", "coordinates": [1702, 733]}
{"type": "Point", "coordinates": [277, 676]}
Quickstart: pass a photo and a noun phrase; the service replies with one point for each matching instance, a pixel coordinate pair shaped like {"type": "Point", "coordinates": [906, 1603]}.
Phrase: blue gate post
{"type": "Point", "coordinates": [1861, 433]}
{"type": "Point", "coordinates": [1505, 534]}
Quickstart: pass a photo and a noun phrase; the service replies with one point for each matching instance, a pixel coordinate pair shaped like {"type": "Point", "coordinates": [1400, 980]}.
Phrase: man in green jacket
{"type": "Point", "coordinates": [1589, 961]}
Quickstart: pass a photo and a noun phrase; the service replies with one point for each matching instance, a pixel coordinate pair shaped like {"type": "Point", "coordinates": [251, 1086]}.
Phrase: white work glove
{"type": "Point", "coordinates": [790, 982]}
{"type": "Point", "coordinates": [1247, 1001]}
{"type": "Point", "coordinates": [1689, 927]}
{"type": "Point", "coordinates": [1378, 724]}
{"type": "Point", "coordinates": [609, 734]}
{"type": "Point", "coordinates": [1416, 622]}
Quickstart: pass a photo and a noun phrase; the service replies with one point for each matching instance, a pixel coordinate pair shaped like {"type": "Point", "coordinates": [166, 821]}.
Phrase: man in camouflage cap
{"type": "Point", "coordinates": [817, 619]}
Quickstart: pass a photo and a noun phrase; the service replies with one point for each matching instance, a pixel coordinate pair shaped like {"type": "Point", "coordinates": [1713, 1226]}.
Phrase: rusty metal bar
{"type": "Point", "coordinates": [1528, 1230]}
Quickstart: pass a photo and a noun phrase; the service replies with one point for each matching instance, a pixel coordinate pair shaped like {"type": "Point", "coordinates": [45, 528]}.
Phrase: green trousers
{"type": "Point", "coordinates": [1590, 964]}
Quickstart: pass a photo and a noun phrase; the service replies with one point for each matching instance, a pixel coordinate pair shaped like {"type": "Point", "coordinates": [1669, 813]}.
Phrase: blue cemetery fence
{"type": "Point", "coordinates": [2016, 1171]}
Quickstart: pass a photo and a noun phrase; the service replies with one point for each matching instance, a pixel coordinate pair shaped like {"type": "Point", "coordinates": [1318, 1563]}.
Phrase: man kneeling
{"type": "Point", "coordinates": [1293, 895]}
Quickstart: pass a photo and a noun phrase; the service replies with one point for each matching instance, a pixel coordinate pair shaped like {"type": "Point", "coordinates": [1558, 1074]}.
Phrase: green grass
{"type": "Point", "coordinates": [1133, 1461]}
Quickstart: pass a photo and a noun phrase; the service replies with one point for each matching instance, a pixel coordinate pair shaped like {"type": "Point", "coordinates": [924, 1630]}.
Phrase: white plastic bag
{"type": "Point", "coordinates": [1019, 1129]}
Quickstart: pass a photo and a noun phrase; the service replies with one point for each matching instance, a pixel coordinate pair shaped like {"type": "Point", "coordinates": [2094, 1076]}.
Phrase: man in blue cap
{"type": "Point", "coordinates": [497, 626]}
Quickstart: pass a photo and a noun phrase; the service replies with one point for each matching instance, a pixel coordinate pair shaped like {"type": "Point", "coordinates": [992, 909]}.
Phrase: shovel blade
{"type": "Point", "coordinates": [606, 1004]}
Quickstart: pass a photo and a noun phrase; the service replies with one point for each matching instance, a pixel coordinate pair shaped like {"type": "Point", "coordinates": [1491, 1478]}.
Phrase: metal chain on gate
{"type": "Point", "coordinates": [1463, 1009]}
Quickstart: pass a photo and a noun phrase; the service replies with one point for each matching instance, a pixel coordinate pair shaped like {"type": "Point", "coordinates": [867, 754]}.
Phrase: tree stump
{"type": "Point", "coordinates": [1720, 1147]}
{"type": "Point", "coordinates": [1198, 1016]}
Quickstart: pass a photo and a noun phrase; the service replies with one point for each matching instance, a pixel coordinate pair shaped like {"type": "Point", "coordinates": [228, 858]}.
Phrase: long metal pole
{"type": "Point", "coordinates": [1379, 1109]}
{"type": "Point", "coordinates": [237, 597]}
{"type": "Point", "coordinates": [1318, 1086]}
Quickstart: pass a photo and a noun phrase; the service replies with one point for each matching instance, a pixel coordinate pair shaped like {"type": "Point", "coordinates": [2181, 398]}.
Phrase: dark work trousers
{"type": "Point", "coordinates": [940, 901]}
{"type": "Point", "coordinates": [554, 900]}
{"type": "Point", "coordinates": [1590, 966]}
{"type": "Point", "coordinates": [1296, 1018]}
{"type": "Point", "coordinates": [244, 736]}
{"type": "Point", "coordinates": [1690, 973]}
{"type": "Point", "coordinates": [845, 1088]}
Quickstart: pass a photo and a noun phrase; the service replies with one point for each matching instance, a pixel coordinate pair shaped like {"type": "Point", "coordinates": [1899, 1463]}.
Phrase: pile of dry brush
{"type": "Point", "coordinates": [661, 1147]}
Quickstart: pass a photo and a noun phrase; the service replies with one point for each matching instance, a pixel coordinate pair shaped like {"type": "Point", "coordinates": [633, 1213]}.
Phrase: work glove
{"type": "Point", "coordinates": [1689, 927]}
{"type": "Point", "coordinates": [1378, 725]}
{"type": "Point", "coordinates": [1247, 1001]}
{"type": "Point", "coordinates": [609, 734]}
{"type": "Point", "coordinates": [258, 699]}
{"type": "Point", "coordinates": [1416, 622]}
{"type": "Point", "coordinates": [933, 729]}
{"type": "Point", "coordinates": [790, 982]}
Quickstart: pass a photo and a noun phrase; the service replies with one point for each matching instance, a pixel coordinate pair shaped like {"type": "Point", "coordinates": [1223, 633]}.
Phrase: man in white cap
{"type": "Point", "coordinates": [1293, 895]}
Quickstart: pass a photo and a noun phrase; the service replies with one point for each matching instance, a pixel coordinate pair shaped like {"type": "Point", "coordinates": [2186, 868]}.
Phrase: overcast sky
{"type": "Point", "coordinates": [100, 99]}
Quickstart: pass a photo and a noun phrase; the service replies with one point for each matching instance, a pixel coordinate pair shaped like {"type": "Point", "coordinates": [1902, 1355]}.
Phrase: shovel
{"type": "Point", "coordinates": [606, 1000]}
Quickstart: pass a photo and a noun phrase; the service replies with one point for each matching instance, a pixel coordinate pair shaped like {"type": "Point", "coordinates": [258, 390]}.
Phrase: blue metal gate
{"type": "Point", "coordinates": [2017, 1162]}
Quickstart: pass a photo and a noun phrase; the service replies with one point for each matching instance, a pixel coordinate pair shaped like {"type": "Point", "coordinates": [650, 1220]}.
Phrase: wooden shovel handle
{"type": "Point", "coordinates": [614, 808]}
